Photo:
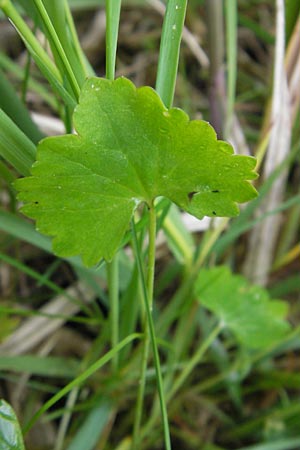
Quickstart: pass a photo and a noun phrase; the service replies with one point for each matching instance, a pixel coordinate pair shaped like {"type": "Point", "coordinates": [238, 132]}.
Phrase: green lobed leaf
{"type": "Point", "coordinates": [129, 149]}
{"type": "Point", "coordinates": [10, 432]}
{"type": "Point", "coordinates": [247, 310]}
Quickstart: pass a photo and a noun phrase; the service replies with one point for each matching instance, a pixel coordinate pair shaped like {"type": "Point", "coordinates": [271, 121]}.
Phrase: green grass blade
{"type": "Point", "coordinates": [113, 8]}
{"type": "Point", "coordinates": [29, 39]}
{"type": "Point", "coordinates": [86, 66]}
{"type": "Point", "coordinates": [7, 65]}
{"type": "Point", "coordinates": [61, 18]}
{"type": "Point", "coordinates": [15, 226]}
{"type": "Point", "coordinates": [38, 53]}
{"type": "Point", "coordinates": [292, 11]}
{"type": "Point", "coordinates": [15, 147]}
{"type": "Point", "coordinates": [90, 431]}
{"type": "Point", "coordinates": [11, 104]}
{"type": "Point", "coordinates": [169, 50]}
{"type": "Point", "coordinates": [80, 379]}
{"type": "Point", "coordinates": [58, 45]}
{"type": "Point", "coordinates": [49, 366]}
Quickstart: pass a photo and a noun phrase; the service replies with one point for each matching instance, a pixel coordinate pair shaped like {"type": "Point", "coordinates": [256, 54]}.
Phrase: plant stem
{"type": "Point", "coordinates": [39, 55]}
{"type": "Point", "coordinates": [188, 368]}
{"type": "Point", "coordinates": [113, 292]}
{"type": "Point", "coordinates": [169, 50]}
{"type": "Point", "coordinates": [149, 331]}
{"type": "Point", "coordinates": [58, 47]}
{"type": "Point", "coordinates": [112, 9]}
{"type": "Point", "coordinates": [148, 298]}
{"type": "Point", "coordinates": [141, 391]}
{"type": "Point", "coordinates": [28, 37]}
{"type": "Point", "coordinates": [85, 65]}
{"type": "Point", "coordinates": [151, 255]}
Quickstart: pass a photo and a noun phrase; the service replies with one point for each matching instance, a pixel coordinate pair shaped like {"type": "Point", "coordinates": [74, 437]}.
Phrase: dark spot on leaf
{"type": "Point", "coordinates": [214, 213]}
{"type": "Point", "coordinates": [191, 195]}
{"type": "Point", "coordinates": [36, 203]}
{"type": "Point", "coordinates": [216, 191]}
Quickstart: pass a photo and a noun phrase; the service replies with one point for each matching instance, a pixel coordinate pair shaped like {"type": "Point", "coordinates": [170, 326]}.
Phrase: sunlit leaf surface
{"type": "Point", "coordinates": [128, 149]}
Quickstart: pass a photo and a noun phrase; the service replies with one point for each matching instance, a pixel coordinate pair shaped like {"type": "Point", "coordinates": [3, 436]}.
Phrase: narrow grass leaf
{"type": "Point", "coordinates": [15, 147]}
{"type": "Point", "coordinates": [112, 10]}
{"type": "Point", "coordinates": [50, 366]}
{"type": "Point", "coordinates": [55, 30]}
{"type": "Point", "coordinates": [11, 104]}
{"type": "Point", "coordinates": [91, 429]}
{"type": "Point", "coordinates": [39, 55]}
{"type": "Point", "coordinates": [169, 50]}
{"type": "Point", "coordinates": [81, 378]}
{"type": "Point", "coordinates": [17, 227]}
{"type": "Point", "coordinates": [11, 68]}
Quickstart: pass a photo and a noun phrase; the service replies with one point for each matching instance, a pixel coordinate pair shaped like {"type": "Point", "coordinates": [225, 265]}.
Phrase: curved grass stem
{"type": "Point", "coordinates": [80, 379]}
{"type": "Point", "coordinates": [113, 292]}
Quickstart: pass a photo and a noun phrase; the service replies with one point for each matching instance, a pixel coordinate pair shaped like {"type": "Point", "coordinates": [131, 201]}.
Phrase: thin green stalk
{"type": "Point", "coordinates": [14, 262]}
{"type": "Point", "coordinates": [151, 255]}
{"type": "Point", "coordinates": [12, 105]}
{"type": "Point", "coordinates": [112, 25]}
{"type": "Point", "coordinates": [191, 364]}
{"type": "Point", "coordinates": [86, 67]}
{"type": "Point", "coordinates": [58, 47]}
{"type": "Point", "coordinates": [28, 37]}
{"type": "Point", "coordinates": [39, 55]}
{"type": "Point", "coordinates": [141, 390]}
{"type": "Point", "coordinates": [9, 66]}
{"type": "Point", "coordinates": [231, 48]}
{"type": "Point", "coordinates": [169, 50]}
{"type": "Point", "coordinates": [113, 8]}
{"type": "Point", "coordinates": [80, 379]}
{"type": "Point", "coordinates": [113, 293]}
{"type": "Point", "coordinates": [188, 368]}
{"type": "Point", "coordinates": [148, 298]}
{"type": "Point", "coordinates": [26, 79]}
{"type": "Point", "coordinates": [174, 309]}
{"type": "Point", "coordinates": [147, 287]}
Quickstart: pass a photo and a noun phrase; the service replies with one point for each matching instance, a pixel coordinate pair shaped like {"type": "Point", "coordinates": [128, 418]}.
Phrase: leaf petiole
{"type": "Point", "coordinates": [147, 288]}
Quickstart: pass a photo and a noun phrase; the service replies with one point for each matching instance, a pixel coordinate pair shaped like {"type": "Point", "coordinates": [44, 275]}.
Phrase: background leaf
{"type": "Point", "coordinates": [10, 432]}
{"type": "Point", "coordinates": [246, 310]}
{"type": "Point", "coordinates": [129, 149]}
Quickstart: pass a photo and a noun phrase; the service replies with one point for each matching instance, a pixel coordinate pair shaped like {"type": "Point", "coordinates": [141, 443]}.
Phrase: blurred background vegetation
{"type": "Point", "coordinates": [239, 69]}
